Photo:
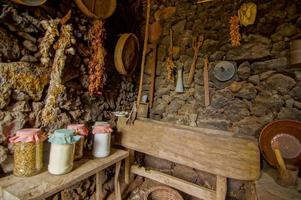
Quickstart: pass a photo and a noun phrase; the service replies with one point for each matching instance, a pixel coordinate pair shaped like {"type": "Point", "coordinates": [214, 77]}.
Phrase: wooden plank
{"type": "Point", "coordinates": [184, 186]}
{"type": "Point", "coordinates": [116, 181]}
{"type": "Point", "coordinates": [221, 188]}
{"type": "Point", "coordinates": [127, 166]}
{"type": "Point", "coordinates": [226, 156]}
{"type": "Point", "coordinates": [44, 185]}
{"type": "Point", "coordinates": [99, 181]}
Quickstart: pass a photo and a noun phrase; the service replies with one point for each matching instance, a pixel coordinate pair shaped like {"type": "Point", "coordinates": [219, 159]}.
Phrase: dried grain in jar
{"type": "Point", "coordinates": [28, 152]}
{"type": "Point", "coordinates": [81, 131]}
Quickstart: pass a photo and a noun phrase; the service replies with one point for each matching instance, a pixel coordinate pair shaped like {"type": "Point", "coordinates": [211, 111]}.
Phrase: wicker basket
{"type": "Point", "coordinates": [162, 193]}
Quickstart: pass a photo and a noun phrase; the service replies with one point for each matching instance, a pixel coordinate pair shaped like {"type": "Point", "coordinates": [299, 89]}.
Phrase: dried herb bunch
{"type": "Point", "coordinates": [56, 87]}
{"type": "Point", "coordinates": [97, 76]}
{"type": "Point", "coordinates": [234, 31]}
{"type": "Point", "coordinates": [48, 39]}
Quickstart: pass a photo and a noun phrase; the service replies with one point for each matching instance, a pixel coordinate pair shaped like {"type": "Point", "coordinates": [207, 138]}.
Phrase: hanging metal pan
{"type": "Point", "coordinates": [98, 9]}
{"type": "Point", "coordinates": [288, 135]}
{"type": "Point", "coordinates": [30, 2]}
{"type": "Point", "coordinates": [126, 53]}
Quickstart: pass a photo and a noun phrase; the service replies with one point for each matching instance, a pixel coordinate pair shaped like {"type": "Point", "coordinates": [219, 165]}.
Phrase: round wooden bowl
{"type": "Point", "coordinates": [162, 193]}
{"type": "Point", "coordinates": [30, 2]}
{"type": "Point", "coordinates": [98, 9]}
{"type": "Point", "coordinates": [288, 134]}
{"type": "Point", "coordinates": [126, 54]}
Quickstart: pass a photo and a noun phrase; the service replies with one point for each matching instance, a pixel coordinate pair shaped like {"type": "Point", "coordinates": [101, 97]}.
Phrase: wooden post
{"type": "Point", "coordinates": [99, 181]}
{"type": "Point", "coordinates": [127, 167]}
{"type": "Point", "coordinates": [221, 188]}
{"type": "Point", "coordinates": [116, 181]}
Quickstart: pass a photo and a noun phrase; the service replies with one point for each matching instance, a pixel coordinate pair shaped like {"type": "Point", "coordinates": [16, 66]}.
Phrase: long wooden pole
{"type": "Point", "coordinates": [144, 52]}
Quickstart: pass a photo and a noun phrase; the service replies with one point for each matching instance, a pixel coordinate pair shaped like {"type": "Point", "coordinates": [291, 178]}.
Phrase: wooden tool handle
{"type": "Point", "coordinates": [196, 43]}
{"type": "Point", "coordinates": [144, 52]}
{"type": "Point", "coordinates": [206, 81]}
{"type": "Point", "coordinates": [276, 148]}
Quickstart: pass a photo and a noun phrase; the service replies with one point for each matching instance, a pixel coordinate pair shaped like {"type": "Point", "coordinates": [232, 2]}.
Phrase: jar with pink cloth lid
{"type": "Point", "coordinates": [81, 131]}
{"type": "Point", "coordinates": [28, 151]}
{"type": "Point", "coordinates": [102, 139]}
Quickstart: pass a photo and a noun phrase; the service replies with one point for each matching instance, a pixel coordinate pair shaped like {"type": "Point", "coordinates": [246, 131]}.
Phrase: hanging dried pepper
{"type": "Point", "coordinates": [56, 87]}
{"type": "Point", "coordinates": [234, 31]}
{"type": "Point", "coordinates": [97, 76]}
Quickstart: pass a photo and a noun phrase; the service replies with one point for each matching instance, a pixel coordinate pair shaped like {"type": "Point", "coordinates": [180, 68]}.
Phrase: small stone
{"type": "Point", "coordinates": [248, 91]}
{"type": "Point", "coordinates": [5, 96]}
{"type": "Point", "coordinates": [21, 106]}
{"type": "Point", "coordinates": [289, 103]}
{"type": "Point", "coordinates": [289, 113]}
{"type": "Point", "coordinates": [20, 96]}
{"type": "Point", "coordinates": [3, 154]}
{"type": "Point", "coordinates": [157, 163]}
{"type": "Point", "coordinates": [298, 75]}
{"type": "Point", "coordinates": [179, 27]}
{"type": "Point", "coordinates": [286, 29]}
{"type": "Point", "coordinates": [281, 83]}
{"type": "Point", "coordinates": [295, 92]}
{"type": "Point", "coordinates": [275, 64]}
{"type": "Point", "coordinates": [248, 126]}
{"type": "Point", "coordinates": [254, 79]}
{"type": "Point", "coordinates": [235, 86]}
{"type": "Point", "coordinates": [266, 75]}
{"type": "Point", "coordinates": [244, 70]}
{"type": "Point", "coordinates": [249, 51]}
{"type": "Point", "coordinates": [185, 173]}
{"type": "Point", "coordinates": [29, 45]}
{"type": "Point", "coordinates": [297, 104]}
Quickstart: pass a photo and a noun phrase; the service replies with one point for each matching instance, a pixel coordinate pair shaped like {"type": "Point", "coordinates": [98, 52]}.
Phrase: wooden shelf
{"type": "Point", "coordinates": [44, 184]}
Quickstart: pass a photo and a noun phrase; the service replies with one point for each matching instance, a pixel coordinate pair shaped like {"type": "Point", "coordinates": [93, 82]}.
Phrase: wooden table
{"type": "Point", "coordinates": [44, 184]}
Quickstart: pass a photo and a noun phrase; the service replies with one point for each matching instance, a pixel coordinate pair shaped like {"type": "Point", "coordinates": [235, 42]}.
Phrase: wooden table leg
{"type": "Point", "coordinates": [99, 181]}
{"type": "Point", "coordinates": [221, 187]}
{"type": "Point", "coordinates": [127, 167]}
{"type": "Point", "coordinates": [116, 181]}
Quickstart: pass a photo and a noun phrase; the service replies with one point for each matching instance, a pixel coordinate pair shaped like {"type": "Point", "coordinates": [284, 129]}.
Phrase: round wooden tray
{"type": "Point", "coordinates": [30, 2]}
{"type": "Point", "coordinates": [288, 134]}
{"type": "Point", "coordinates": [98, 9]}
{"type": "Point", "coordinates": [126, 54]}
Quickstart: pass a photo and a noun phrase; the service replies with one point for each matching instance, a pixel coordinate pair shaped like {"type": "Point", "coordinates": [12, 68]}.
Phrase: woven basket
{"type": "Point", "coordinates": [162, 193]}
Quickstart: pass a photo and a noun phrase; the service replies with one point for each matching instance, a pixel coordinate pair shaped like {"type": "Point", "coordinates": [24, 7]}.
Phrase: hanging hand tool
{"type": "Point", "coordinates": [196, 45]}
{"type": "Point", "coordinates": [206, 81]}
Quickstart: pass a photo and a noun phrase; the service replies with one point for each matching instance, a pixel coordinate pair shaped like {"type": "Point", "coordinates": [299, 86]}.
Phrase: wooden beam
{"type": "Point", "coordinates": [184, 186]}
{"type": "Point", "coordinates": [99, 181]}
{"type": "Point", "coordinates": [116, 181]}
{"type": "Point", "coordinates": [208, 151]}
{"type": "Point", "coordinates": [221, 188]}
{"type": "Point", "coordinates": [127, 166]}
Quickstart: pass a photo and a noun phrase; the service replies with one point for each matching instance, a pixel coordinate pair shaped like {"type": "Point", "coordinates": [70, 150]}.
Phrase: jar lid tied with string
{"type": "Point", "coordinates": [63, 136]}
{"type": "Point", "coordinates": [81, 131]}
{"type": "Point", "coordinates": [102, 139]}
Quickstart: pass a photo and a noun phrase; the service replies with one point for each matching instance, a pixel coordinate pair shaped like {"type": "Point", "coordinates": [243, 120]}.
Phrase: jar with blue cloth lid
{"type": "Point", "coordinates": [62, 151]}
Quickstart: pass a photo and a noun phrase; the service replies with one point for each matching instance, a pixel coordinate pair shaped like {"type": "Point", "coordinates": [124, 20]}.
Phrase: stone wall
{"type": "Point", "coordinates": [24, 81]}
{"type": "Point", "coordinates": [264, 88]}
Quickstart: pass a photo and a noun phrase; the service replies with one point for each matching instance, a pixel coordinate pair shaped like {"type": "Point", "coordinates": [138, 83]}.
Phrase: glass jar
{"type": "Point", "coordinates": [28, 152]}
{"type": "Point", "coordinates": [81, 131]}
{"type": "Point", "coordinates": [102, 139]}
{"type": "Point", "coordinates": [62, 151]}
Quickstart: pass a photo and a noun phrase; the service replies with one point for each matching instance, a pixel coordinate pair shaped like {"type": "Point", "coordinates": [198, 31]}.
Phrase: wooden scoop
{"type": "Point", "coordinates": [287, 177]}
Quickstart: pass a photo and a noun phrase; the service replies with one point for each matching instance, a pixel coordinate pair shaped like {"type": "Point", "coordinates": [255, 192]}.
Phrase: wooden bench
{"type": "Point", "coordinates": [44, 184]}
{"type": "Point", "coordinates": [213, 151]}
